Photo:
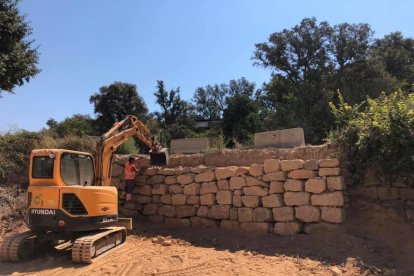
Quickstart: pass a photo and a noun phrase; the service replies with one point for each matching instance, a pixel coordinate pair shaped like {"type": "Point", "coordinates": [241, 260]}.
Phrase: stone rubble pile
{"type": "Point", "coordinates": [280, 196]}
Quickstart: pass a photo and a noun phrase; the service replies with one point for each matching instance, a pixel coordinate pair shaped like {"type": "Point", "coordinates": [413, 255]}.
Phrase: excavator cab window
{"type": "Point", "coordinates": [43, 167]}
{"type": "Point", "coordinates": [77, 169]}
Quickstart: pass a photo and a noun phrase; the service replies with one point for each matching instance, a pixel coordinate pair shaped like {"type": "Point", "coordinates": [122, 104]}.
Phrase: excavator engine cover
{"type": "Point", "coordinates": [159, 158]}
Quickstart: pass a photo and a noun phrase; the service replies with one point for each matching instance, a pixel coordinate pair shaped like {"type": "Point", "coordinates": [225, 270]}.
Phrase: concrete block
{"type": "Point", "coordinates": [190, 145]}
{"type": "Point", "coordinates": [285, 138]}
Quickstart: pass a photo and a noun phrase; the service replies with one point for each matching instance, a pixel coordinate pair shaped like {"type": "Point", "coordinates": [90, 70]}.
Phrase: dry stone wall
{"type": "Point", "coordinates": [280, 196]}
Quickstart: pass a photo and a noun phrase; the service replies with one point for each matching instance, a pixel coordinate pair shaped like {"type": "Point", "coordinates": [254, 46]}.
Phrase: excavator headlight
{"type": "Point", "coordinates": [61, 223]}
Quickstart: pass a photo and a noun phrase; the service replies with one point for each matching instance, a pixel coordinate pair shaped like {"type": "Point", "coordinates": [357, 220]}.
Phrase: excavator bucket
{"type": "Point", "coordinates": [159, 158]}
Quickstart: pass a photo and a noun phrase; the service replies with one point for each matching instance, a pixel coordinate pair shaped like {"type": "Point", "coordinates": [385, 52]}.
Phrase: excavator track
{"type": "Point", "coordinates": [85, 249]}
{"type": "Point", "coordinates": [17, 247]}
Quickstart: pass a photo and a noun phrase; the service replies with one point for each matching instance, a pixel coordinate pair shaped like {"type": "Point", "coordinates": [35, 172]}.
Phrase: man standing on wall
{"type": "Point", "coordinates": [130, 173]}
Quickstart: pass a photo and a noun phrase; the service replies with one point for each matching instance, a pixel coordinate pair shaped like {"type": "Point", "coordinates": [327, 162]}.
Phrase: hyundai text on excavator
{"type": "Point", "coordinates": [71, 199]}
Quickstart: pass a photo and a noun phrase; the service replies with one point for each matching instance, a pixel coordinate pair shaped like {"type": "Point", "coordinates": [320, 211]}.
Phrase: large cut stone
{"type": "Point", "coordinates": [276, 187]}
{"type": "Point", "coordinates": [256, 170]}
{"type": "Point", "coordinates": [230, 225]}
{"type": "Point", "coordinates": [262, 214]}
{"type": "Point", "coordinates": [245, 214]}
{"type": "Point", "coordinates": [193, 200]}
{"type": "Point", "coordinates": [311, 164]}
{"type": "Point", "coordinates": [275, 176]}
{"type": "Point", "coordinates": [302, 174]}
{"type": "Point", "coordinates": [201, 169]}
{"type": "Point", "coordinates": [308, 213]}
{"type": "Point", "coordinates": [151, 171]}
{"type": "Point", "coordinates": [255, 191]}
{"type": "Point", "coordinates": [253, 181]}
{"type": "Point", "coordinates": [296, 198]}
{"type": "Point", "coordinates": [237, 201]}
{"type": "Point", "coordinates": [167, 171]}
{"type": "Point", "coordinates": [287, 228]}
{"type": "Point", "coordinates": [197, 222]}
{"type": "Point", "coordinates": [172, 179]}
{"type": "Point", "coordinates": [208, 188]}
{"type": "Point", "coordinates": [329, 171]}
{"type": "Point", "coordinates": [294, 185]}
{"type": "Point", "coordinates": [192, 189]}
{"type": "Point", "coordinates": [165, 199]}
{"type": "Point", "coordinates": [208, 199]}
{"type": "Point", "coordinates": [329, 163]}
{"type": "Point", "coordinates": [223, 184]}
{"type": "Point", "coordinates": [271, 165]}
{"type": "Point", "coordinates": [185, 211]}
{"type": "Point", "coordinates": [184, 179]}
{"type": "Point", "coordinates": [205, 177]}
{"type": "Point", "coordinates": [328, 199]}
{"type": "Point", "coordinates": [175, 189]}
{"type": "Point", "coordinates": [141, 199]}
{"type": "Point", "coordinates": [156, 179]}
{"type": "Point", "coordinates": [290, 165]}
{"type": "Point", "coordinates": [283, 214]}
{"type": "Point", "coordinates": [151, 209]}
{"type": "Point", "coordinates": [237, 182]}
{"type": "Point", "coordinates": [145, 190]}
{"type": "Point", "coordinates": [203, 211]}
{"type": "Point", "coordinates": [159, 189]}
{"type": "Point", "coordinates": [257, 227]}
{"type": "Point", "coordinates": [219, 212]}
{"type": "Point", "coordinates": [274, 200]}
{"type": "Point", "coordinates": [250, 201]}
{"type": "Point", "coordinates": [315, 185]}
{"type": "Point", "coordinates": [224, 197]}
{"type": "Point", "coordinates": [234, 214]}
{"type": "Point", "coordinates": [167, 211]}
{"type": "Point", "coordinates": [242, 171]}
{"type": "Point", "coordinates": [333, 215]}
{"type": "Point", "coordinates": [336, 183]}
{"type": "Point", "coordinates": [178, 199]}
{"type": "Point", "coordinates": [223, 173]}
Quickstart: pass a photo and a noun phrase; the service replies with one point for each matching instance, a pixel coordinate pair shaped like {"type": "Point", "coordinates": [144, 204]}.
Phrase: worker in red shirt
{"type": "Point", "coordinates": [130, 173]}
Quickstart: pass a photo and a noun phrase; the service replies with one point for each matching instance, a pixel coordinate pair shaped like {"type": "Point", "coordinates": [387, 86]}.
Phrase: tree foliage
{"type": "Point", "coordinates": [18, 59]}
{"type": "Point", "coordinates": [112, 103]}
{"type": "Point", "coordinates": [78, 125]}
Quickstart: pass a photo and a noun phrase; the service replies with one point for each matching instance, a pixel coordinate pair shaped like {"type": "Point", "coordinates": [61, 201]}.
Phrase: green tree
{"type": "Point", "coordinates": [18, 59]}
{"type": "Point", "coordinates": [78, 125]}
{"type": "Point", "coordinates": [209, 102]}
{"type": "Point", "coordinates": [112, 103]}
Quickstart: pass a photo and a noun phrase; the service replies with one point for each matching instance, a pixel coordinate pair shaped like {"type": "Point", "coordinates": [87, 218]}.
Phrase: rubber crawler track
{"type": "Point", "coordinates": [9, 250]}
{"type": "Point", "coordinates": [83, 248]}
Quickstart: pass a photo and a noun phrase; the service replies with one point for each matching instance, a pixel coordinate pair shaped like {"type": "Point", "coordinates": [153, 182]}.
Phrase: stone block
{"type": "Point", "coordinates": [192, 189]}
{"type": "Point", "coordinates": [178, 222]}
{"type": "Point", "coordinates": [329, 171]}
{"type": "Point", "coordinates": [167, 211]}
{"type": "Point", "coordinates": [328, 199]}
{"type": "Point", "coordinates": [294, 185]}
{"type": "Point", "coordinates": [302, 174]}
{"type": "Point", "coordinates": [208, 199]}
{"type": "Point", "coordinates": [205, 177]}
{"type": "Point", "coordinates": [237, 182]}
{"type": "Point", "coordinates": [156, 218]}
{"type": "Point", "coordinates": [275, 176]}
{"type": "Point", "coordinates": [387, 193]}
{"type": "Point", "coordinates": [219, 212]}
{"type": "Point", "coordinates": [237, 201]}
{"type": "Point", "coordinates": [184, 179]}
{"type": "Point", "coordinates": [333, 215]}
{"type": "Point", "coordinates": [256, 170]}
{"type": "Point", "coordinates": [321, 227]}
{"type": "Point", "coordinates": [201, 169]}
{"type": "Point", "coordinates": [144, 190]}
{"type": "Point", "coordinates": [178, 199]}
{"type": "Point", "coordinates": [223, 184]}
{"type": "Point", "coordinates": [156, 199]}
{"type": "Point", "coordinates": [171, 179]}
{"type": "Point", "coordinates": [141, 179]}
{"type": "Point", "coordinates": [283, 214]}
{"type": "Point", "coordinates": [290, 165]}
{"type": "Point", "coordinates": [165, 199]}
{"type": "Point", "coordinates": [255, 191]}
{"type": "Point", "coordinates": [238, 192]}
{"type": "Point", "coordinates": [197, 222]}
{"type": "Point", "coordinates": [242, 171]}
{"type": "Point", "coordinates": [250, 201]}
{"type": "Point", "coordinates": [208, 188]}
{"type": "Point", "coordinates": [287, 228]}
{"type": "Point", "coordinates": [185, 211]}
{"type": "Point", "coordinates": [234, 214]}
{"type": "Point", "coordinates": [329, 163]}
{"type": "Point", "coordinates": [274, 200]}
{"type": "Point", "coordinates": [253, 181]}
{"type": "Point", "coordinates": [224, 173]}
{"type": "Point", "coordinates": [276, 187]}
{"type": "Point", "coordinates": [336, 183]}
{"type": "Point", "coordinates": [141, 199]}
{"type": "Point", "coordinates": [175, 189]}
{"type": "Point", "coordinates": [117, 171]}
{"type": "Point", "coordinates": [308, 213]}
{"type": "Point", "coordinates": [156, 179]}
{"type": "Point", "coordinates": [181, 170]}
{"type": "Point", "coordinates": [159, 189]}
{"type": "Point", "coordinates": [311, 164]}
{"type": "Point", "coordinates": [315, 185]}
{"type": "Point", "coordinates": [255, 227]}
{"type": "Point", "coordinates": [166, 171]}
{"type": "Point", "coordinates": [203, 211]}
{"type": "Point", "coordinates": [151, 209]}
{"type": "Point", "coordinates": [271, 165]}
{"type": "Point", "coordinates": [262, 214]}
{"type": "Point", "coordinates": [151, 171]}
{"type": "Point", "coordinates": [224, 197]}
{"type": "Point", "coordinates": [193, 200]}
{"type": "Point", "coordinates": [245, 214]}
{"type": "Point", "coordinates": [296, 198]}
{"type": "Point", "coordinates": [230, 225]}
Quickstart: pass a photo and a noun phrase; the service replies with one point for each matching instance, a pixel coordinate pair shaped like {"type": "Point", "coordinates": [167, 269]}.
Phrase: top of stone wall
{"type": "Point", "coordinates": [246, 157]}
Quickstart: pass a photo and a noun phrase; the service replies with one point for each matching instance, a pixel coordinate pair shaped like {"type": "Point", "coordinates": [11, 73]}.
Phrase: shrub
{"type": "Point", "coordinates": [378, 135]}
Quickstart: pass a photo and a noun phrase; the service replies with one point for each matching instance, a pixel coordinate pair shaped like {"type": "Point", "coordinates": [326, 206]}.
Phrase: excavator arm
{"type": "Point", "coordinates": [116, 136]}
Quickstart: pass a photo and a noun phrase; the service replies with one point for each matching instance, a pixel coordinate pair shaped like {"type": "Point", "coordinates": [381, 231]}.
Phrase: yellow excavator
{"type": "Point", "coordinates": [71, 200]}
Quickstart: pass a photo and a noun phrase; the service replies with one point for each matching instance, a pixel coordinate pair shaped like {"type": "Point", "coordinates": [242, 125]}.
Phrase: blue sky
{"type": "Point", "coordinates": [84, 45]}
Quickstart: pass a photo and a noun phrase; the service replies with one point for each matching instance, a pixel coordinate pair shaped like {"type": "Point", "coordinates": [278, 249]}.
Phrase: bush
{"type": "Point", "coordinates": [378, 135]}
{"type": "Point", "coordinates": [13, 203]}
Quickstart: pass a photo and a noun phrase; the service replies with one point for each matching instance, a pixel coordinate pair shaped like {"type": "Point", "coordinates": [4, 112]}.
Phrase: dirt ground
{"type": "Point", "coordinates": [373, 241]}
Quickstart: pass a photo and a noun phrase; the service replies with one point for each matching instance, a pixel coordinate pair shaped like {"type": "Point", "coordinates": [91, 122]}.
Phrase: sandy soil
{"type": "Point", "coordinates": [373, 241]}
